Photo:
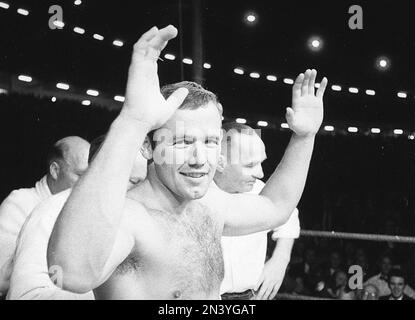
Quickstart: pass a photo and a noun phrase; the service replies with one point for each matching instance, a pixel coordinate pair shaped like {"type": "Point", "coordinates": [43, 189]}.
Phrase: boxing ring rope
{"type": "Point", "coordinates": [357, 236]}
{"type": "Point", "coordinates": [343, 235]}
{"type": "Point", "coordinates": [286, 296]}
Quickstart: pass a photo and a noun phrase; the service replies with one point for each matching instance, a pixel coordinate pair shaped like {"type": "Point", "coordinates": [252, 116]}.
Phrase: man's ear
{"type": "Point", "coordinates": [221, 163]}
{"type": "Point", "coordinates": [146, 149]}
{"type": "Point", "coordinates": [54, 170]}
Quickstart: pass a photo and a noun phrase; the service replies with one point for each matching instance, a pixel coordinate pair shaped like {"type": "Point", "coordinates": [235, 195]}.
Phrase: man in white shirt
{"type": "Point", "coordinates": [240, 171]}
{"type": "Point", "coordinates": [30, 279]}
{"type": "Point", "coordinates": [67, 160]}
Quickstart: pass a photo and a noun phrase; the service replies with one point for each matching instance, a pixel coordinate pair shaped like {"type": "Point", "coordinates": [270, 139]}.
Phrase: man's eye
{"type": "Point", "coordinates": [212, 142]}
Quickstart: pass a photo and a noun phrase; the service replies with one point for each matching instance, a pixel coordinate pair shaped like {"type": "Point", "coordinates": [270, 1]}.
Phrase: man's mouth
{"type": "Point", "coordinates": [194, 175]}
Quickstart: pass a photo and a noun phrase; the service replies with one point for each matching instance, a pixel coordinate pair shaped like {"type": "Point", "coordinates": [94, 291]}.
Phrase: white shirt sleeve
{"type": "Point", "coordinates": [291, 229]}
{"type": "Point", "coordinates": [30, 278]}
{"type": "Point", "coordinates": [13, 213]}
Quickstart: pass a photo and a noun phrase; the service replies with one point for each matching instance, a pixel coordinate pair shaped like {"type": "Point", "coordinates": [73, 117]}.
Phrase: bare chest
{"type": "Point", "coordinates": [182, 250]}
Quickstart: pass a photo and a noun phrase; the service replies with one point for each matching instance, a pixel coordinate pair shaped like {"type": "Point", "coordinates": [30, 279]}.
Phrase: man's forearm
{"type": "Point", "coordinates": [85, 231]}
{"type": "Point", "coordinates": [282, 250]}
{"type": "Point", "coordinates": [285, 187]}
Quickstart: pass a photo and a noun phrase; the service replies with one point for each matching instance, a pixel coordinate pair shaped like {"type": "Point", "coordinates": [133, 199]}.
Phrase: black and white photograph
{"type": "Point", "coordinates": [220, 151]}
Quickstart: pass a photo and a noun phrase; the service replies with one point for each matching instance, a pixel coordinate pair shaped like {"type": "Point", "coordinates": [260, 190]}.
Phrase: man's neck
{"type": "Point", "coordinates": [51, 185]}
{"type": "Point", "coordinates": [165, 199]}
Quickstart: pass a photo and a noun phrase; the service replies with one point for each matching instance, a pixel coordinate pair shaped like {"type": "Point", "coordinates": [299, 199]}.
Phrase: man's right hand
{"type": "Point", "coordinates": [143, 101]}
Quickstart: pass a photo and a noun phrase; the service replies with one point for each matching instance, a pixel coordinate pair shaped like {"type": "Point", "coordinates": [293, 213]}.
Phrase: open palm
{"type": "Point", "coordinates": [143, 101]}
{"type": "Point", "coordinates": [306, 115]}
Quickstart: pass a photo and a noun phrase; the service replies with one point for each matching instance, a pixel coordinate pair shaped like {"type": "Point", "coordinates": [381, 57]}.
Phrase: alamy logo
{"type": "Point", "coordinates": [356, 20]}
{"type": "Point", "coordinates": [356, 278]}
{"type": "Point", "coordinates": [57, 16]}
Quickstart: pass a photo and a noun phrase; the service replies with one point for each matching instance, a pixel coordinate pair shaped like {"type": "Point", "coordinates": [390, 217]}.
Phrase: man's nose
{"type": "Point", "coordinates": [258, 173]}
{"type": "Point", "coordinates": [198, 155]}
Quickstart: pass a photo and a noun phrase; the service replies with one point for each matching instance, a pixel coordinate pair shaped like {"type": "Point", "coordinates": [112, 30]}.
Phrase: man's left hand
{"type": "Point", "coordinates": [271, 279]}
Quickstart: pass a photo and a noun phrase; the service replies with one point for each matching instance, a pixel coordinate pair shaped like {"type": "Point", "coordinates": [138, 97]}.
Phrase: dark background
{"type": "Point", "coordinates": [357, 182]}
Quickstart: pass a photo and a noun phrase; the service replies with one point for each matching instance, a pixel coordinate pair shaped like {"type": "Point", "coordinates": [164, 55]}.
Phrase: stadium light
{"type": "Point", "coordinates": [288, 81]}
{"type": "Point", "coordinates": [271, 78]}
{"type": "Point", "coordinates": [119, 98]}
{"type": "Point", "coordinates": [25, 78]}
{"type": "Point", "coordinates": [207, 65]}
{"type": "Point", "coordinates": [352, 129]}
{"type": "Point", "coordinates": [187, 61]}
{"type": "Point", "coordinates": [23, 12]}
{"type": "Point", "coordinates": [262, 124]}
{"type": "Point", "coordinates": [336, 88]}
{"type": "Point", "coordinates": [93, 93]}
{"type": "Point", "coordinates": [62, 86]}
{"type": "Point", "coordinates": [240, 120]}
{"type": "Point", "coordinates": [329, 128]}
{"type": "Point", "coordinates": [118, 43]}
{"type": "Point", "coordinates": [97, 36]}
{"type": "Point", "coordinates": [375, 130]}
{"type": "Point", "coordinates": [370, 92]}
{"type": "Point", "coordinates": [79, 30]}
{"type": "Point", "coordinates": [402, 95]}
{"type": "Point", "coordinates": [53, 99]}
{"type": "Point", "coordinates": [170, 56]}
{"type": "Point", "coordinates": [398, 131]}
{"type": "Point", "coordinates": [353, 90]}
{"type": "Point", "coordinates": [238, 71]}
{"type": "Point", "coordinates": [59, 24]}
{"type": "Point", "coordinates": [86, 102]}
{"type": "Point", "coordinates": [77, 2]}
{"type": "Point", "coordinates": [4, 5]}
{"type": "Point", "coordinates": [254, 75]}
{"type": "Point", "coordinates": [285, 126]}
{"type": "Point", "coordinates": [315, 43]}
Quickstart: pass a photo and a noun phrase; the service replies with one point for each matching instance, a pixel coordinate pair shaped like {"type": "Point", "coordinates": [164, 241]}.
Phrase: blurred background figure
{"type": "Point", "coordinates": [66, 161]}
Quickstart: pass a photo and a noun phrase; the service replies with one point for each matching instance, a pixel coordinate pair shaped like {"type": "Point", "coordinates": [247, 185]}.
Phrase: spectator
{"type": "Point", "coordinates": [397, 285]}
{"type": "Point", "coordinates": [66, 161]}
{"type": "Point", "coordinates": [369, 292]}
{"type": "Point", "coordinates": [381, 280]}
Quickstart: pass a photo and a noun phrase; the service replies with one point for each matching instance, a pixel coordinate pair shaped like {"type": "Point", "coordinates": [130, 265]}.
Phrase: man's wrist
{"type": "Point", "coordinates": [129, 123]}
{"type": "Point", "coordinates": [308, 136]}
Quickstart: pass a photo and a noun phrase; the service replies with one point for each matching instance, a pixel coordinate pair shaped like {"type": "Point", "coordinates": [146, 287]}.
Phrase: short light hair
{"type": "Point", "coordinates": [197, 97]}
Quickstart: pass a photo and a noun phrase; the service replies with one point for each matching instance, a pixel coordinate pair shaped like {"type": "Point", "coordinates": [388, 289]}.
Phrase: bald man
{"type": "Point", "coordinates": [66, 162]}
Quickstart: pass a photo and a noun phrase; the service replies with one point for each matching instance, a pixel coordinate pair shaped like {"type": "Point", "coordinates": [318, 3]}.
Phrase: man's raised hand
{"type": "Point", "coordinates": [143, 100]}
{"type": "Point", "coordinates": [306, 115]}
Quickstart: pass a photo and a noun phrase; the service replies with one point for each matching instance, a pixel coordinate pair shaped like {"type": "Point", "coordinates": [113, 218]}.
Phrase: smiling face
{"type": "Point", "coordinates": [397, 286]}
{"type": "Point", "coordinates": [187, 151]}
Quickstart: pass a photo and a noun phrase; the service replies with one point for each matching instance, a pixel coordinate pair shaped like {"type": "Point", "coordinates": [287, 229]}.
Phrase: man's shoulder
{"type": "Point", "coordinates": [22, 196]}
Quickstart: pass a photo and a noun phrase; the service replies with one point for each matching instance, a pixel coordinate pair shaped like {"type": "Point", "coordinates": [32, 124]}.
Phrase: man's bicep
{"type": "Point", "coordinates": [123, 245]}
{"type": "Point", "coordinates": [247, 213]}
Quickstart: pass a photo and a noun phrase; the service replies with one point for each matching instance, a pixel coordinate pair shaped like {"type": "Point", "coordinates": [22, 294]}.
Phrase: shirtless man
{"type": "Point", "coordinates": [162, 241]}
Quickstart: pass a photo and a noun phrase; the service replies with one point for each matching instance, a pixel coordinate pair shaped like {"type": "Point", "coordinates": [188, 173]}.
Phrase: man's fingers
{"type": "Point", "coordinates": [261, 292]}
{"type": "Point", "coordinates": [274, 292]}
{"type": "Point", "coordinates": [297, 85]}
{"type": "Point", "coordinates": [177, 97]}
{"type": "Point", "coordinates": [148, 35]}
{"type": "Point", "coordinates": [304, 86]}
{"type": "Point", "coordinates": [160, 40]}
{"type": "Point", "coordinates": [322, 89]}
{"type": "Point", "coordinates": [290, 115]}
{"type": "Point", "coordinates": [312, 82]}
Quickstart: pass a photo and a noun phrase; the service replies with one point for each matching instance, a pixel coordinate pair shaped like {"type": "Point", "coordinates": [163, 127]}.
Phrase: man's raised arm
{"type": "Point", "coordinates": [86, 231]}
{"type": "Point", "coordinates": [284, 188]}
